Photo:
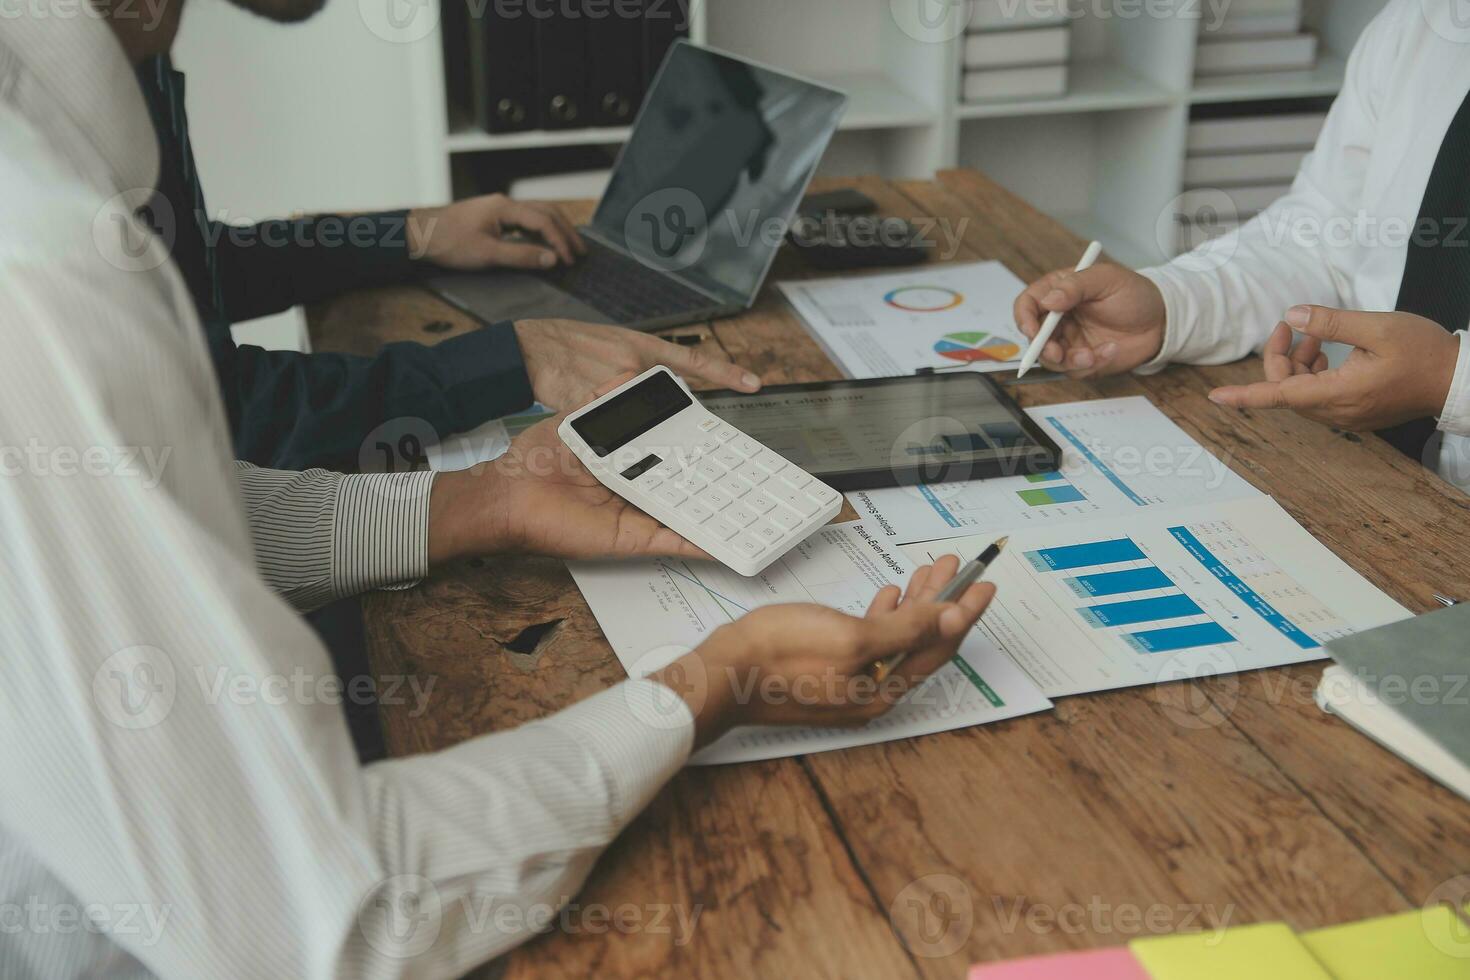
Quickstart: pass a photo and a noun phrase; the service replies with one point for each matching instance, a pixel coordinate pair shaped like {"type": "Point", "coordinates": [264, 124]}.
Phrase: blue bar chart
{"type": "Point", "coordinates": [1133, 611]}
{"type": "Point", "coordinates": [1174, 638]}
{"type": "Point", "coordinates": [1169, 621]}
{"type": "Point", "coordinates": [1118, 583]}
{"type": "Point", "coordinates": [1085, 555]}
{"type": "Point", "coordinates": [1177, 593]}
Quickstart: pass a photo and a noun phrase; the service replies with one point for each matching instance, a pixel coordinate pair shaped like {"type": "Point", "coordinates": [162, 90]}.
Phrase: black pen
{"type": "Point", "coordinates": [963, 579]}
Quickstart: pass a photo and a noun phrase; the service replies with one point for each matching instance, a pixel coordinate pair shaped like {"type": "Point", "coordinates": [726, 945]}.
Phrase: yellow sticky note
{"type": "Point", "coordinates": [1426, 944]}
{"type": "Point", "coordinates": [1265, 952]}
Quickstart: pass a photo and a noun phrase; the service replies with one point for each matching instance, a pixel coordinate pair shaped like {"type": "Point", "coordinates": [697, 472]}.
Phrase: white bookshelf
{"type": "Point", "coordinates": [1107, 157]}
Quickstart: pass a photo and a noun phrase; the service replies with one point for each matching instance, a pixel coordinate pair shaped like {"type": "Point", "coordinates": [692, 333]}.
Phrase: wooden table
{"type": "Point", "coordinates": [1187, 806]}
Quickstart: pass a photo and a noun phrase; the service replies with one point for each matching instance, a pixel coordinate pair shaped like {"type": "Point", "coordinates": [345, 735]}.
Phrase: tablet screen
{"type": "Point", "coordinates": [886, 431]}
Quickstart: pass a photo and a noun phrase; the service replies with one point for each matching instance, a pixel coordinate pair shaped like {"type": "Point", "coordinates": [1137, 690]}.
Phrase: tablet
{"type": "Point", "coordinates": [885, 432]}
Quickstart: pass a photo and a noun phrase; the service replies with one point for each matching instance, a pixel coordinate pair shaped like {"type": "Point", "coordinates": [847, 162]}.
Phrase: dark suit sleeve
{"type": "Point", "coordinates": [272, 266]}
{"type": "Point", "coordinates": [294, 411]}
{"type": "Point", "coordinates": [291, 410]}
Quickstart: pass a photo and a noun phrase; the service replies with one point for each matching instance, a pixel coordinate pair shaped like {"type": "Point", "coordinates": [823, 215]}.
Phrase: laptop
{"type": "Point", "coordinates": [698, 204]}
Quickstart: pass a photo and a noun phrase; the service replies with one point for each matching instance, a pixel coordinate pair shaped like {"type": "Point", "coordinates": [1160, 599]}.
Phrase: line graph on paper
{"type": "Point", "coordinates": [711, 595]}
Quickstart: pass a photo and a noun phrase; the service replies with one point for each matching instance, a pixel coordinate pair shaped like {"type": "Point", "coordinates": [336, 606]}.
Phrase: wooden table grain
{"type": "Point", "coordinates": [1188, 806]}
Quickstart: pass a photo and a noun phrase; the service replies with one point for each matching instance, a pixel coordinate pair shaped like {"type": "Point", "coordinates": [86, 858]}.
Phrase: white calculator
{"type": "Point", "coordinates": [651, 442]}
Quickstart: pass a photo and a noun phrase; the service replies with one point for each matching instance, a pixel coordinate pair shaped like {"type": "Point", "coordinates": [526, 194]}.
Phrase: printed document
{"type": "Point", "coordinates": [1167, 594]}
{"type": "Point", "coordinates": [1120, 456]}
{"type": "Point", "coordinates": [955, 317]}
{"type": "Point", "coordinates": [654, 611]}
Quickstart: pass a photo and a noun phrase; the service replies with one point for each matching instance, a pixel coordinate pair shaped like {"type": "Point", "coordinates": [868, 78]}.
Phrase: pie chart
{"type": "Point", "coordinates": [976, 346]}
{"type": "Point", "coordinates": [924, 299]}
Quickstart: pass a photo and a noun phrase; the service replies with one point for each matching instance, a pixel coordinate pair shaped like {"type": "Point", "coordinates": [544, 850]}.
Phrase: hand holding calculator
{"type": "Point", "coordinates": [650, 442]}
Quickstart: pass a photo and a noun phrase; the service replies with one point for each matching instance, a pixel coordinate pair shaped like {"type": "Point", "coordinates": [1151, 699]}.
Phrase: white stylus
{"type": "Point", "coordinates": [1049, 326]}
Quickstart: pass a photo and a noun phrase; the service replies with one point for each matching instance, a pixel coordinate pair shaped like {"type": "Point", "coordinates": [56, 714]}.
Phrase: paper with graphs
{"type": "Point", "coordinates": [953, 317]}
{"type": "Point", "coordinates": [654, 611]}
{"type": "Point", "coordinates": [1168, 594]}
{"type": "Point", "coordinates": [1120, 456]}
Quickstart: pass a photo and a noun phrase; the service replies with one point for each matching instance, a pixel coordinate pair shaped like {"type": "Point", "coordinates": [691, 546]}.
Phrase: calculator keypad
{"type": "Point", "coordinates": [749, 546]}
{"type": "Point", "coordinates": [740, 516]}
{"type": "Point", "coordinates": [696, 511]}
{"type": "Point", "coordinates": [737, 491]}
{"type": "Point", "coordinates": [723, 529]}
{"type": "Point", "coordinates": [741, 492]}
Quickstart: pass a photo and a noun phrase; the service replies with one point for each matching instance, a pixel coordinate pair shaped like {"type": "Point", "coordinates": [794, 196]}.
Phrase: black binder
{"type": "Point", "coordinates": [561, 67]}
{"type": "Point", "coordinates": [615, 65]}
{"type": "Point", "coordinates": [506, 86]}
{"type": "Point", "coordinates": [664, 22]}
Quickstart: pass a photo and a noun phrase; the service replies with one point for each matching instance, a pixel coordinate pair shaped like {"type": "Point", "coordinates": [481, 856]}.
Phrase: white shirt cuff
{"type": "Point", "coordinates": [1178, 314]}
{"type": "Point", "coordinates": [1455, 419]}
{"type": "Point", "coordinates": [642, 733]}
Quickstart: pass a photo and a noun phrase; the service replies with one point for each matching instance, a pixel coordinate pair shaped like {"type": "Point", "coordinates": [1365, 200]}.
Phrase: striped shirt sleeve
{"type": "Point", "coordinates": [320, 536]}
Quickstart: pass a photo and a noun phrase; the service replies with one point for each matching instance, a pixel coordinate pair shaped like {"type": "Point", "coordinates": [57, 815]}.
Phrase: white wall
{"type": "Point", "coordinates": [319, 116]}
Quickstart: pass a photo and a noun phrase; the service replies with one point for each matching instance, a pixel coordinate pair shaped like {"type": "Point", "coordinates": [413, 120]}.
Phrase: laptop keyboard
{"type": "Point", "coordinates": [625, 289]}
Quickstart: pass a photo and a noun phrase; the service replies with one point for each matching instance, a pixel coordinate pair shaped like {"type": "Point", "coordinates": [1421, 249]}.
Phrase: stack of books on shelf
{"type": "Point", "coordinates": [1016, 50]}
{"type": "Point", "coordinates": [1255, 36]}
{"type": "Point", "coordinates": [1241, 156]}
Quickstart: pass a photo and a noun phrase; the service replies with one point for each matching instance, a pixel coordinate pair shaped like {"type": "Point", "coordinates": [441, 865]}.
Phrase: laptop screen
{"type": "Point", "coordinates": [715, 167]}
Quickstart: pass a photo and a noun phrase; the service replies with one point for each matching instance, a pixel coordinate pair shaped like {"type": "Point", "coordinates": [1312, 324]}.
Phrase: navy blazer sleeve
{"type": "Point", "coordinates": [293, 410]}
{"type": "Point", "coordinates": [290, 410]}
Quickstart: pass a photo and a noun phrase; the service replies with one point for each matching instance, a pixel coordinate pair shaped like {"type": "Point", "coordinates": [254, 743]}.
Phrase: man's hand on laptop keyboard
{"type": "Point", "coordinates": [473, 234]}
{"type": "Point", "coordinates": [566, 359]}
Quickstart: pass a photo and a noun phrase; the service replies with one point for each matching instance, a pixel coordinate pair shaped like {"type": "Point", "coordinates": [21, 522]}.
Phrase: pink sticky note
{"type": "Point", "coordinates": [1095, 964]}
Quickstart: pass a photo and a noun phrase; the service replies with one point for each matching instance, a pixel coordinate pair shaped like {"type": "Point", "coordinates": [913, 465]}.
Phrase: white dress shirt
{"type": "Point", "coordinates": [172, 802]}
{"type": "Point", "coordinates": [1340, 237]}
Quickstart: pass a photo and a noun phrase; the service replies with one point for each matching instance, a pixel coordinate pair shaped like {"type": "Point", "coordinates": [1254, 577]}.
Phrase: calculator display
{"type": "Point", "coordinates": [620, 420]}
